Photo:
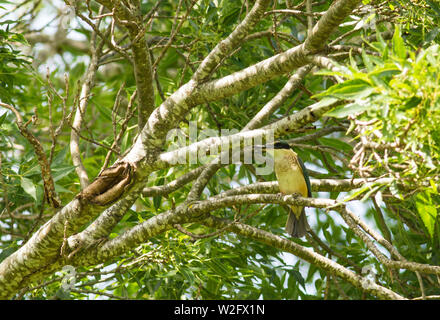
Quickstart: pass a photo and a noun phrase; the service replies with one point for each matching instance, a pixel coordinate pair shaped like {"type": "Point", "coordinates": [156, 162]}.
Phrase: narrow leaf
{"type": "Point", "coordinates": [29, 187]}
{"type": "Point", "coordinates": [427, 211]}
{"type": "Point", "coordinates": [349, 109]}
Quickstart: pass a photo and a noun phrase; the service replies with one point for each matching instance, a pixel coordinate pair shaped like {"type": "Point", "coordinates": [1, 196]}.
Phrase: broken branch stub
{"type": "Point", "coordinates": [109, 185]}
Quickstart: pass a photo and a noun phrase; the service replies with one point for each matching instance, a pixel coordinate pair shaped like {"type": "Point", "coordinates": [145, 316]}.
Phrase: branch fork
{"type": "Point", "coordinates": [109, 186]}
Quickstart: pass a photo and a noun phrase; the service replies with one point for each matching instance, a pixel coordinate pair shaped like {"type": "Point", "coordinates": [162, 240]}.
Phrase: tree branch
{"type": "Point", "coordinates": [305, 254]}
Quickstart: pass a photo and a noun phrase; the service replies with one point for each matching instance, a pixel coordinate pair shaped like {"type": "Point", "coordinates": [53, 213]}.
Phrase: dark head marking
{"type": "Point", "coordinates": [281, 145]}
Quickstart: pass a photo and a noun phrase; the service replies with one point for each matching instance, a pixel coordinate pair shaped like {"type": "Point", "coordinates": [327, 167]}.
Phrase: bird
{"type": "Point", "coordinates": [292, 179]}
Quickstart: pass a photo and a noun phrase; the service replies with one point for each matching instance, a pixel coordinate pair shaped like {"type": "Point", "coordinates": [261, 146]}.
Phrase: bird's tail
{"type": "Point", "coordinates": [297, 227]}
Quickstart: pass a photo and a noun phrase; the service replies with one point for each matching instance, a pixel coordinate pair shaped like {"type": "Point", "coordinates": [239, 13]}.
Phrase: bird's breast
{"type": "Point", "coordinates": [290, 177]}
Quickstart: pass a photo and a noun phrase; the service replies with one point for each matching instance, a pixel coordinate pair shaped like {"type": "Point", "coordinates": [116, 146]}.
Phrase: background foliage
{"type": "Point", "coordinates": [389, 80]}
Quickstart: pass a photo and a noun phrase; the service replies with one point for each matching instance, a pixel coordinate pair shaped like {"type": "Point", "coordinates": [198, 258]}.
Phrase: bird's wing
{"type": "Point", "coordinates": [306, 177]}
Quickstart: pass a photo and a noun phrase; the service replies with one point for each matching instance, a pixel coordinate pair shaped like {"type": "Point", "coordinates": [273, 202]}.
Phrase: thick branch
{"type": "Point", "coordinates": [142, 71]}
{"type": "Point", "coordinates": [318, 185]}
{"type": "Point", "coordinates": [334, 16]}
{"type": "Point", "coordinates": [292, 84]}
{"type": "Point", "coordinates": [278, 128]}
{"type": "Point", "coordinates": [42, 249]}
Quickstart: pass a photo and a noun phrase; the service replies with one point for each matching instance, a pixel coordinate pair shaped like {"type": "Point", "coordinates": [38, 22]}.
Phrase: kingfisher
{"type": "Point", "coordinates": [292, 178]}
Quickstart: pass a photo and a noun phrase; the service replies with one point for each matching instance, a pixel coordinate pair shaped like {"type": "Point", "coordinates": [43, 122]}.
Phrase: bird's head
{"type": "Point", "coordinates": [280, 145]}
{"type": "Point", "coordinates": [278, 148]}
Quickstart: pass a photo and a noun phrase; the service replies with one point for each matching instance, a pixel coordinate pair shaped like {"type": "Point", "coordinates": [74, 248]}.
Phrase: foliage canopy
{"type": "Point", "coordinates": [378, 76]}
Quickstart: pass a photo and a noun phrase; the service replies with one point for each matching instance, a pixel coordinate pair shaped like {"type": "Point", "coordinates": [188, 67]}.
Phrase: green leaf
{"type": "Point", "coordinates": [157, 201]}
{"type": "Point", "coordinates": [2, 118]}
{"type": "Point", "coordinates": [432, 34]}
{"type": "Point", "coordinates": [32, 171]}
{"type": "Point", "coordinates": [350, 89]}
{"type": "Point", "coordinates": [427, 210]}
{"type": "Point", "coordinates": [369, 193]}
{"type": "Point", "coordinates": [367, 61]}
{"type": "Point", "coordinates": [168, 274]}
{"type": "Point", "coordinates": [61, 172]}
{"type": "Point", "coordinates": [189, 276]}
{"type": "Point", "coordinates": [370, 188]}
{"type": "Point", "coordinates": [395, 190]}
{"type": "Point", "coordinates": [358, 91]}
{"type": "Point", "coordinates": [4, 253]}
{"type": "Point", "coordinates": [323, 102]}
{"type": "Point", "coordinates": [29, 187]}
{"type": "Point", "coordinates": [336, 143]}
{"type": "Point", "coordinates": [106, 113]}
{"type": "Point", "coordinates": [379, 199]}
{"type": "Point", "coordinates": [434, 5]}
{"type": "Point", "coordinates": [61, 189]}
{"type": "Point", "coordinates": [398, 44]}
{"type": "Point", "coordinates": [411, 103]}
{"type": "Point", "coordinates": [60, 156]}
{"type": "Point", "coordinates": [349, 109]}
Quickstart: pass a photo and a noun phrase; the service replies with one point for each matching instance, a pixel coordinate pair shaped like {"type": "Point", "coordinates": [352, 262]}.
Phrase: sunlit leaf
{"type": "Point", "coordinates": [348, 109]}
{"type": "Point", "coordinates": [29, 187]}
{"type": "Point", "coordinates": [427, 211]}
